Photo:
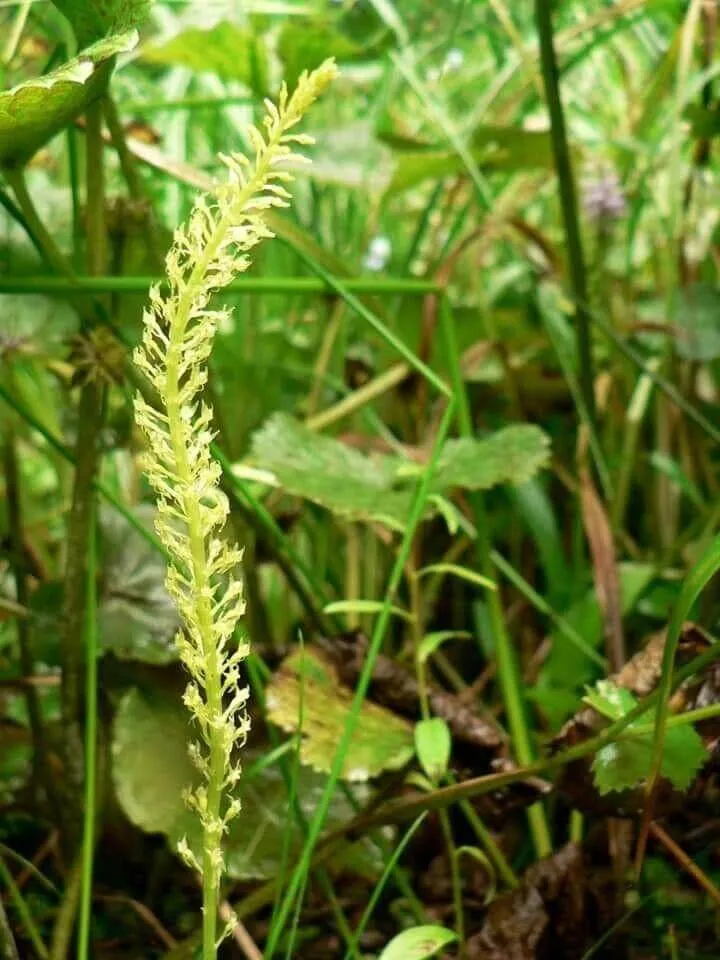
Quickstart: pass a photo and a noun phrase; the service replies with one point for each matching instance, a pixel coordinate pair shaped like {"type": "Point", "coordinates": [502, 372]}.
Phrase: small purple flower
{"type": "Point", "coordinates": [603, 197]}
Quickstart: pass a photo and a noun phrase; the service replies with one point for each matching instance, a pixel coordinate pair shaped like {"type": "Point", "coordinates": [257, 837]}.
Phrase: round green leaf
{"type": "Point", "coordinates": [151, 766]}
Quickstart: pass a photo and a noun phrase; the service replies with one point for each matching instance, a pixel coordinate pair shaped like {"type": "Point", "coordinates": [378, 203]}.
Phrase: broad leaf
{"type": "Point", "coordinates": [348, 483]}
{"type": "Point", "coordinates": [151, 765]}
{"type": "Point", "coordinates": [305, 695]}
{"type": "Point", "coordinates": [418, 943]}
{"type": "Point", "coordinates": [230, 51]}
{"type": "Point", "coordinates": [34, 111]}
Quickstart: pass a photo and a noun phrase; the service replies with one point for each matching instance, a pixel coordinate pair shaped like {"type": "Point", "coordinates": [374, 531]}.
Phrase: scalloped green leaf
{"type": "Point", "coordinates": [230, 51]}
{"type": "Point", "coordinates": [305, 696]}
{"type": "Point", "coordinates": [511, 455]}
{"type": "Point", "coordinates": [627, 762]}
{"type": "Point", "coordinates": [351, 484]}
{"type": "Point", "coordinates": [34, 111]}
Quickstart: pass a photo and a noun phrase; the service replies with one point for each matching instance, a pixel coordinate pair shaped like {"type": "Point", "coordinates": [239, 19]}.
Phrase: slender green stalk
{"type": "Point", "coordinates": [661, 382]}
{"type": "Point", "coordinates": [568, 201]}
{"type": "Point", "coordinates": [91, 415]}
{"type": "Point", "coordinates": [247, 285]}
{"type": "Point", "coordinates": [91, 733]}
{"type": "Point", "coordinates": [637, 408]}
{"type": "Point", "coordinates": [505, 658]}
{"type": "Point", "coordinates": [343, 290]}
{"type": "Point", "coordinates": [361, 688]}
{"type": "Point", "coordinates": [494, 854]}
{"type": "Point", "coordinates": [359, 398]}
{"type": "Point", "coordinates": [540, 603]}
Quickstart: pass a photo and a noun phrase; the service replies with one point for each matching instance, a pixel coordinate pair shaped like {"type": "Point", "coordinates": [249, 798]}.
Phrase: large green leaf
{"type": "Point", "coordinates": [330, 473]}
{"type": "Point", "coordinates": [306, 696]}
{"type": "Point", "coordinates": [151, 768]}
{"type": "Point", "coordinates": [34, 111]}
{"type": "Point", "coordinates": [151, 765]}
{"type": "Point", "coordinates": [230, 51]}
{"type": "Point", "coordinates": [94, 20]}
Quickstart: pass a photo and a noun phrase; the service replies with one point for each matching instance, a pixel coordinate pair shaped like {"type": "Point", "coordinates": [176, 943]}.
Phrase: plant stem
{"type": "Point", "coordinates": [90, 420]}
{"type": "Point", "coordinates": [91, 706]}
{"type": "Point", "coordinates": [381, 286]}
{"type": "Point", "coordinates": [568, 202]}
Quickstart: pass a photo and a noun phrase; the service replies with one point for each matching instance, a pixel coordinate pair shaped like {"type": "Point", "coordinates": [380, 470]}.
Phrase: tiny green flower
{"type": "Point", "coordinates": [207, 252]}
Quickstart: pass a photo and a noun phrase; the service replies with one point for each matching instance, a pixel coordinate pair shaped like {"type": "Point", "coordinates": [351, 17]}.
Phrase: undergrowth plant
{"type": "Point", "coordinates": [207, 252]}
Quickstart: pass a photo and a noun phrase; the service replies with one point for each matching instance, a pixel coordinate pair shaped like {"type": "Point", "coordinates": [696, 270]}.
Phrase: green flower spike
{"type": "Point", "coordinates": [207, 252]}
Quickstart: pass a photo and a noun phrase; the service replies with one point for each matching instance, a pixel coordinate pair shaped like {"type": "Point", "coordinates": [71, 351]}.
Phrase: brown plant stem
{"type": "Point", "coordinates": [90, 421]}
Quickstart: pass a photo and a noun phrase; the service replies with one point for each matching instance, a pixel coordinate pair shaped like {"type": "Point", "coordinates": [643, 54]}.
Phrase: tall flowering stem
{"type": "Point", "coordinates": [207, 253]}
